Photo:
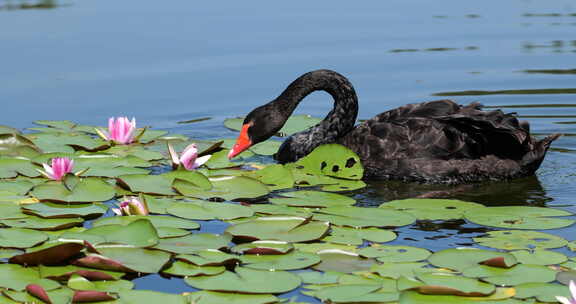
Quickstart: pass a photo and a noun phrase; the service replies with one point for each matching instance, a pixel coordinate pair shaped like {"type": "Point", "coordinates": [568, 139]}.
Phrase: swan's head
{"type": "Point", "coordinates": [259, 125]}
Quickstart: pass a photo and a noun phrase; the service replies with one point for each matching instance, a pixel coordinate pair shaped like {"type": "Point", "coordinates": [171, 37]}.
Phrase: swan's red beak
{"type": "Point", "coordinates": [242, 143]}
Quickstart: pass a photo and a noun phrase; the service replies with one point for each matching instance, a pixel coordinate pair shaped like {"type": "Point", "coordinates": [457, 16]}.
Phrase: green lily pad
{"type": "Point", "coordinates": [209, 210]}
{"type": "Point", "coordinates": [413, 297]}
{"type": "Point", "coordinates": [20, 187]}
{"type": "Point", "coordinates": [270, 209]}
{"type": "Point", "coordinates": [460, 285]}
{"type": "Point", "coordinates": [397, 270]}
{"type": "Point", "coordinates": [11, 211]}
{"type": "Point", "coordinates": [156, 220]}
{"type": "Point", "coordinates": [539, 257]}
{"type": "Point", "coordinates": [6, 253]}
{"type": "Point", "coordinates": [126, 259]}
{"type": "Point", "coordinates": [51, 210]}
{"type": "Point", "coordinates": [332, 160]}
{"type": "Point", "coordinates": [521, 273]}
{"type": "Point", "coordinates": [66, 142]}
{"type": "Point", "coordinates": [89, 189]}
{"type": "Point", "coordinates": [519, 217]}
{"type": "Point", "coordinates": [288, 229]}
{"type": "Point", "coordinates": [78, 282]}
{"type": "Point", "coordinates": [263, 248]}
{"type": "Point", "coordinates": [394, 253]}
{"type": "Point", "coordinates": [21, 238]}
{"type": "Point", "coordinates": [364, 217]}
{"type": "Point", "coordinates": [275, 176]}
{"type": "Point", "coordinates": [12, 167]}
{"type": "Point", "coordinates": [212, 297]}
{"type": "Point", "coordinates": [343, 261]}
{"type": "Point", "coordinates": [354, 236]}
{"type": "Point", "coordinates": [432, 209]}
{"type": "Point", "coordinates": [171, 232]}
{"type": "Point", "coordinates": [134, 151]}
{"type": "Point", "coordinates": [180, 268]}
{"type": "Point", "coordinates": [290, 261]}
{"type": "Point", "coordinates": [514, 239]}
{"type": "Point", "coordinates": [140, 233]}
{"type": "Point", "coordinates": [151, 184]}
{"type": "Point", "coordinates": [317, 277]}
{"type": "Point", "coordinates": [461, 259]}
{"type": "Point", "coordinates": [268, 147]}
{"type": "Point", "coordinates": [219, 160]}
{"type": "Point", "coordinates": [224, 187]}
{"type": "Point", "coordinates": [63, 273]}
{"type": "Point", "coordinates": [544, 292]}
{"type": "Point", "coordinates": [357, 293]}
{"type": "Point", "coordinates": [37, 223]}
{"type": "Point", "coordinates": [194, 242]}
{"type": "Point", "coordinates": [295, 123]}
{"type": "Point", "coordinates": [17, 277]}
{"type": "Point", "coordinates": [209, 257]}
{"type": "Point", "coordinates": [247, 280]}
{"type": "Point", "coordinates": [313, 199]}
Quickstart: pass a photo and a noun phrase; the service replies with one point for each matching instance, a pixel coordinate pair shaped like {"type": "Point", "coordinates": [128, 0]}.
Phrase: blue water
{"type": "Point", "coordinates": [165, 62]}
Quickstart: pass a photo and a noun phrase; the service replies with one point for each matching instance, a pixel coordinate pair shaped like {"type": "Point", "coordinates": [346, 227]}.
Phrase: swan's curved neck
{"type": "Point", "coordinates": [338, 122]}
{"type": "Point", "coordinates": [342, 117]}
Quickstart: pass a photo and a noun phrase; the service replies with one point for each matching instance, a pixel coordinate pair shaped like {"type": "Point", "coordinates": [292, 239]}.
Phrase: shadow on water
{"type": "Point", "coordinates": [10, 5]}
{"type": "Point", "coordinates": [523, 191]}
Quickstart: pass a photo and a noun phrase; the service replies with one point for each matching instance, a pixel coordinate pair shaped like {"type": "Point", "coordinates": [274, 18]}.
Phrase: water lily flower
{"type": "Point", "coordinates": [58, 168]}
{"type": "Point", "coordinates": [120, 130]}
{"type": "Point", "coordinates": [132, 205]}
{"type": "Point", "coordinates": [188, 158]}
{"type": "Point", "coordinates": [565, 300]}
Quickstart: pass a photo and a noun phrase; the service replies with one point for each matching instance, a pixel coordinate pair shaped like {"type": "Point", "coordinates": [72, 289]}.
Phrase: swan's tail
{"type": "Point", "coordinates": [532, 160]}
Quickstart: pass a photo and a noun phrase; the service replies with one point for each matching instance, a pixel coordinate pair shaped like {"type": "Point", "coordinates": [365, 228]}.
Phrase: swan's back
{"type": "Point", "coordinates": [441, 141]}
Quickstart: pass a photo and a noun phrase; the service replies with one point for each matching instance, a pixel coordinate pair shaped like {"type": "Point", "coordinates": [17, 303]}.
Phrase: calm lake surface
{"type": "Point", "coordinates": [167, 62]}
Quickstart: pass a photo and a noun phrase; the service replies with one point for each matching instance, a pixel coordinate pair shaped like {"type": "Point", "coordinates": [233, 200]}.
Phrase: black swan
{"type": "Point", "coordinates": [436, 142]}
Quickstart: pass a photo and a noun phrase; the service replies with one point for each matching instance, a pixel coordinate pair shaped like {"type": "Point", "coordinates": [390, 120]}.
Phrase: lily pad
{"type": "Point", "coordinates": [51, 210]}
{"type": "Point", "coordinates": [209, 210]}
{"type": "Point", "coordinates": [461, 259]}
{"type": "Point", "coordinates": [395, 253]}
{"type": "Point", "coordinates": [514, 239]}
{"type": "Point", "coordinates": [343, 261]}
{"type": "Point", "coordinates": [435, 283]}
{"type": "Point", "coordinates": [149, 296]}
{"type": "Point", "coordinates": [539, 257]}
{"type": "Point", "coordinates": [397, 270]}
{"type": "Point", "coordinates": [11, 211]}
{"type": "Point", "coordinates": [49, 253]}
{"type": "Point", "coordinates": [519, 217]}
{"type": "Point", "coordinates": [156, 220]}
{"type": "Point", "coordinates": [247, 280]}
{"type": "Point", "coordinates": [86, 190]}
{"type": "Point", "coordinates": [355, 236]}
{"type": "Point", "coordinates": [275, 176]}
{"type": "Point", "coordinates": [21, 238]}
{"type": "Point", "coordinates": [224, 187]}
{"type": "Point", "coordinates": [125, 259]}
{"type": "Point", "coordinates": [194, 242]}
{"type": "Point", "coordinates": [180, 268]}
{"type": "Point", "coordinates": [263, 248]}
{"type": "Point", "coordinates": [313, 199]}
{"type": "Point", "coordinates": [521, 273]}
{"type": "Point", "coordinates": [364, 217]}
{"type": "Point", "coordinates": [288, 229]}
{"type": "Point", "coordinates": [357, 293]}
{"type": "Point", "coordinates": [140, 233]}
{"type": "Point", "coordinates": [332, 160]}
{"type": "Point", "coordinates": [544, 292]}
{"type": "Point", "coordinates": [38, 223]}
{"type": "Point", "coordinates": [17, 277]}
{"type": "Point", "coordinates": [209, 257]}
{"type": "Point", "coordinates": [151, 184]}
{"type": "Point", "coordinates": [291, 261]}
{"type": "Point", "coordinates": [212, 297]}
{"type": "Point", "coordinates": [12, 167]}
{"type": "Point", "coordinates": [432, 209]}
{"type": "Point", "coordinates": [66, 142]}
{"type": "Point", "coordinates": [20, 187]}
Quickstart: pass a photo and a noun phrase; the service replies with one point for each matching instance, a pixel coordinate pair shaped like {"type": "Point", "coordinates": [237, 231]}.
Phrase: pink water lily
{"type": "Point", "coordinates": [120, 130]}
{"type": "Point", "coordinates": [188, 158]}
{"type": "Point", "coordinates": [565, 300]}
{"type": "Point", "coordinates": [58, 168]}
{"type": "Point", "coordinates": [132, 205]}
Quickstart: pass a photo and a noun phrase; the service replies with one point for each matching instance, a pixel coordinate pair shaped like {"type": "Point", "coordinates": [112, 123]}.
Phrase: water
{"type": "Point", "coordinates": [164, 63]}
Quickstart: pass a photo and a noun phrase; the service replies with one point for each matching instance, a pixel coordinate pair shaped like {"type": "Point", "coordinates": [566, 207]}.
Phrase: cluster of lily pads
{"type": "Point", "coordinates": [84, 211]}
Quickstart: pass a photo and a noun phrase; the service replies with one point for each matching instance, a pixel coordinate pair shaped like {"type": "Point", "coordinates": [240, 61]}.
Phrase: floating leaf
{"type": "Point", "coordinates": [313, 199]}
{"type": "Point", "coordinates": [34, 222]}
{"type": "Point", "coordinates": [519, 217]}
{"type": "Point", "coordinates": [49, 253]}
{"type": "Point", "coordinates": [12, 167]}
{"type": "Point", "coordinates": [460, 259]}
{"type": "Point", "coordinates": [432, 209]}
{"type": "Point", "coordinates": [51, 210]}
{"type": "Point", "coordinates": [180, 268]}
{"type": "Point", "coordinates": [357, 293]}
{"type": "Point", "coordinates": [212, 297]}
{"type": "Point", "coordinates": [288, 229]}
{"type": "Point", "coordinates": [539, 257]}
{"type": "Point", "coordinates": [290, 261]}
{"type": "Point", "coordinates": [263, 248]}
{"type": "Point", "coordinates": [139, 233]}
{"type": "Point", "coordinates": [275, 177]}
{"type": "Point", "coordinates": [364, 217]}
{"type": "Point", "coordinates": [544, 292]}
{"type": "Point", "coordinates": [66, 142]}
{"type": "Point", "coordinates": [521, 273]}
{"type": "Point", "coordinates": [343, 261]}
{"type": "Point", "coordinates": [11, 211]}
{"type": "Point", "coordinates": [193, 242]}
{"type": "Point", "coordinates": [149, 296]}
{"type": "Point", "coordinates": [156, 220]}
{"type": "Point", "coordinates": [435, 283]}
{"type": "Point", "coordinates": [152, 184]}
{"type": "Point", "coordinates": [397, 270]}
{"type": "Point", "coordinates": [209, 257]}
{"type": "Point", "coordinates": [18, 277]}
{"type": "Point", "coordinates": [332, 160]}
{"type": "Point", "coordinates": [21, 238]}
{"type": "Point", "coordinates": [125, 259]}
{"type": "Point", "coordinates": [209, 210]}
{"type": "Point", "coordinates": [395, 253]}
{"type": "Point", "coordinates": [20, 187]}
{"type": "Point", "coordinates": [87, 190]}
{"type": "Point", "coordinates": [355, 236]}
{"type": "Point", "coordinates": [514, 239]}
{"type": "Point", "coordinates": [224, 187]}
{"type": "Point", "coordinates": [247, 280]}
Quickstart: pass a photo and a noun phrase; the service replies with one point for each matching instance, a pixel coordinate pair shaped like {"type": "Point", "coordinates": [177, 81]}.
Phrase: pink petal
{"type": "Point", "coordinates": [188, 156]}
{"type": "Point", "coordinates": [48, 171]}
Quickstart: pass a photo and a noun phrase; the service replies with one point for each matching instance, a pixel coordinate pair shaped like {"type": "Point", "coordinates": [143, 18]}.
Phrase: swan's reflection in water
{"type": "Point", "coordinates": [35, 4]}
{"type": "Point", "coordinates": [526, 191]}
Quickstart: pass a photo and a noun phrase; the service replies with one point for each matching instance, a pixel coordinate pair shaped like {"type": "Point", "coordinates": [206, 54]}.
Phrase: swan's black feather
{"type": "Point", "coordinates": [437, 141]}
